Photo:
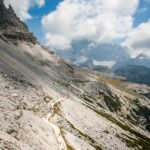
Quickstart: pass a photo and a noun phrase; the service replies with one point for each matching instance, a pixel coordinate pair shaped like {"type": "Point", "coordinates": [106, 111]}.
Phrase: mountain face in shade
{"type": "Point", "coordinates": [11, 27]}
{"type": "Point", "coordinates": [140, 60]}
{"type": "Point", "coordinates": [82, 52]}
{"type": "Point", "coordinates": [85, 53]}
{"type": "Point", "coordinates": [135, 73]}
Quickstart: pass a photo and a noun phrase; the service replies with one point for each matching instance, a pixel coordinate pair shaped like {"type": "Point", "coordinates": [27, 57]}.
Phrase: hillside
{"type": "Point", "coordinates": [135, 73]}
{"type": "Point", "coordinates": [48, 104]}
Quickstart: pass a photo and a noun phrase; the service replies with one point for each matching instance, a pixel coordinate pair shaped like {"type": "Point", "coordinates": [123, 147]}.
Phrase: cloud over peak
{"type": "Point", "coordinates": [101, 21]}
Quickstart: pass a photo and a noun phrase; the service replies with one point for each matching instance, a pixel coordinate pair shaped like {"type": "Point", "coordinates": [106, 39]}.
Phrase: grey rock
{"type": "Point", "coordinates": [11, 26]}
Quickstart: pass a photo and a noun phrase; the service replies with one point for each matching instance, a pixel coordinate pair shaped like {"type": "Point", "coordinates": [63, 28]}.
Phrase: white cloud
{"type": "Point", "coordinates": [22, 7]}
{"type": "Point", "coordinates": [101, 21]}
{"type": "Point", "coordinates": [138, 40]}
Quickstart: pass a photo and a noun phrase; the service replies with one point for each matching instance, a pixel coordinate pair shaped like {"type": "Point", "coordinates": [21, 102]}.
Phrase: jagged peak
{"type": "Point", "coordinates": [2, 5]}
{"type": "Point", "coordinates": [142, 56]}
{"type": "Point", "coordinates": [12, 27]}
{"type": "Point", "coordinates": [1, 1]}
{"type": "Point", "coordinates": [10, 9]}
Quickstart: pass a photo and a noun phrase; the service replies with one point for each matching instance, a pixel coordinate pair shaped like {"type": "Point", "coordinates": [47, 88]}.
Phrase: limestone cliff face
{"type": "Point", "coordinates": [11, 26]}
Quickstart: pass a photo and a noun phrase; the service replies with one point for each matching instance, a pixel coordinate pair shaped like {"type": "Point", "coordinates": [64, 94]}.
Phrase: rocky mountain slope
{"type": "Point", "coordinates": [49, 105]}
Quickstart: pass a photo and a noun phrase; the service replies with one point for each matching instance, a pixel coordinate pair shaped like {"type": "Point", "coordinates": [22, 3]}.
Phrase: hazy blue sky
{"type": "Point", "coordinates": [143, 12]}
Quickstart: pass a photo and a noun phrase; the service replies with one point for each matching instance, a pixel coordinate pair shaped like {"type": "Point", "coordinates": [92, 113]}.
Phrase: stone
{"type": "Point", "coordinates": [12, 27]}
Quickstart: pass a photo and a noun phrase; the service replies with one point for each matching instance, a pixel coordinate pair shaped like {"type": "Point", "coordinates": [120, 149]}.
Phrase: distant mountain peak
{"type": "Point", "coordinates": [142, 56]}
{"type": "Point", "coordinates": [11, 10]}
{"type": "Point", "coordinates": [12, 27]}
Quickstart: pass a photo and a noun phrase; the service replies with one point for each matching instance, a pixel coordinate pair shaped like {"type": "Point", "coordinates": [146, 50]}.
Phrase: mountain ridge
{"type": "Point", "coordinates": [106, 58]}
{"type": "Point", "coordinates": [11, 26]}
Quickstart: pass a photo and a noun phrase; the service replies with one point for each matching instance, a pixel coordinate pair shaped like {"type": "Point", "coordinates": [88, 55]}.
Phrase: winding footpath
{"type": "Point", "coordinates": [60, 140]}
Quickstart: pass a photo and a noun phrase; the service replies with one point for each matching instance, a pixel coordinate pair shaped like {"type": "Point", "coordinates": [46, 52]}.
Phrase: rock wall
{"type": "Point", "coordinates": [11, 26]}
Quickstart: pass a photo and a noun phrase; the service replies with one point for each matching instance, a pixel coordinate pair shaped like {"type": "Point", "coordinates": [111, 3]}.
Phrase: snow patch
{"type": "Point", "coordinates": [108, 64]}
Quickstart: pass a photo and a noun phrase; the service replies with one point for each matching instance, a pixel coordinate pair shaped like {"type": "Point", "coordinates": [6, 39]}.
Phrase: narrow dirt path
{"type": "Point", "coordinates": [59, 137]}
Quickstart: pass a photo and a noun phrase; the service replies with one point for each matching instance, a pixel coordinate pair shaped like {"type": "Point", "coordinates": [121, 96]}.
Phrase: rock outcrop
{"type": "Point", "coordinates": [11, 27]}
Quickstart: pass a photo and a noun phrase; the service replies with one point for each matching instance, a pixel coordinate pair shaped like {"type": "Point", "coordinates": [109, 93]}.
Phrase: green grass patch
{"type": "Point", "coordinates": [81, 135]}
{"type": "Point", "coordinates": [142, 140]}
